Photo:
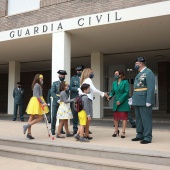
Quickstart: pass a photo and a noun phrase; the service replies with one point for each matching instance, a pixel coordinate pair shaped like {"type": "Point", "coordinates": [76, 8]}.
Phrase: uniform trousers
{"type": "Point", "coordinates": [75, 118]}
{"type": "Point", "coordinates": [20, 111]}
{"type": "Point", "coordinates": [144, 122]}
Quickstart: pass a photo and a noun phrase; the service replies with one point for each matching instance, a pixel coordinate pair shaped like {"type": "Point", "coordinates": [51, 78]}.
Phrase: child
{"type": "Point", "coordinates": [64, 113]}
{"type": "Point", "coordinates": [34, 108]}
{"type": "Point", "coordinates": [82, 115]}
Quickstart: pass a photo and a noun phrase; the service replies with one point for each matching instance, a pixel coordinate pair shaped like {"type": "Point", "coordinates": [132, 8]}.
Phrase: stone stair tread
{"type": "Point", "coordinates": [86, 159]}
{"type": "Point", "coordinates": [85, 146]}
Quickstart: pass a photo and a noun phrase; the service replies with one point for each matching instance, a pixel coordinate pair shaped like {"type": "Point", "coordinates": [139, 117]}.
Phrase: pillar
{"type": "Point", "coordinates": [13, 78]}
{"type": "Point", "coordinates": [61, 54]}
{"type": "Point", "coordinates": [97, 67]}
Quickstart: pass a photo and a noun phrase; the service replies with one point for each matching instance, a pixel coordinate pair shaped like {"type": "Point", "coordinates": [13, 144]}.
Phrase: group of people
{"type": "Point", "coordinates": [81, 84]}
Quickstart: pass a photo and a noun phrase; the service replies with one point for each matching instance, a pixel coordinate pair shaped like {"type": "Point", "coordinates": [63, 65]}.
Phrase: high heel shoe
{"type": "Point", "coordinates": [123, 135]}
{"type": "Point", "coordinates": [115, 133]}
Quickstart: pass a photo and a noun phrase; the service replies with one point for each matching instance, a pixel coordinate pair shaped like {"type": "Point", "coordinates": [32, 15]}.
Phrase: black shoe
{"type": "Point", "coordinates": [14, 119]}
{"type": "Point", "coordinates": [49, 121]}
{"type": "Point", "coordinates": [62, 132]}
{"type": "Point", "coordinates": [90, 132]}
{"type": "Point", "coordinates": [22, 120]}
{"type": "Point", "coordinates": [29, 136]}
{"type": "Point", "coordinates": [123, 135]}
{"type": "Point", "coordinates": [136, 139]}
{"type": "Point", "coordinates": [74, 132]}
{"type": "Point", "coordinates": [115, 134]}
{"type": "Point", "coordinates": [88, 137]}
{"type": "Point", "coordinates": [144, 142]}
{"type": "Point", "coordinates": [134, 126]}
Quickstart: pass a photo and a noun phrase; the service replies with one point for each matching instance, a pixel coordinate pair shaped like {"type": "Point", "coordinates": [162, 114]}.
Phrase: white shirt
{"type": "Point", "coordinates": [92, 88]}
{"type": "Point", "coordinates": [143, 69]}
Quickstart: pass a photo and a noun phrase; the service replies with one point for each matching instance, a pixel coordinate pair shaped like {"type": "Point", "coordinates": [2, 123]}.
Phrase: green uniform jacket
{"type": "Point", "coordinates": [74, 85]}
{"type": "Point", "coordinates": [144, 79]}
{"type": "Point", "coordinates": [18, 96]}
{"type": "Point", "coordinates": [121, 94]}
{"type": "Point", "coordinates": [55, 90]}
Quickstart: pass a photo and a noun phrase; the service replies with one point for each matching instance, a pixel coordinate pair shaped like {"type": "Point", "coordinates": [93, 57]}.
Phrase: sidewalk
{"type": "Point", "coordinates": [15, 164]}
{"type": "Point", "coordinates": [102, 137]}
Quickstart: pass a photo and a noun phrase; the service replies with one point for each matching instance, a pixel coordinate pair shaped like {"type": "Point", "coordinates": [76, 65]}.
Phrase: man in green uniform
{"type": "Point", "coordinates": [143, 100]}
{"type": "Point", "coordinates": [55, 93]}
{"type": "Point", "coordinates": [74, 85]}
{"type": "Point", "coordinates": [18, 95]}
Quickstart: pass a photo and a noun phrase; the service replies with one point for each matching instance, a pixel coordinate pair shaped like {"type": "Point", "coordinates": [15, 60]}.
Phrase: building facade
{"type": "Point", "coordinates": [43, 36]}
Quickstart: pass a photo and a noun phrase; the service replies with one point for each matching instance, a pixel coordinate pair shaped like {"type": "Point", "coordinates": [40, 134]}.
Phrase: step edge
{"type": "Point", "coordinates": [113, 164]}
{"type": "Point", "coordinates": [150, 153]}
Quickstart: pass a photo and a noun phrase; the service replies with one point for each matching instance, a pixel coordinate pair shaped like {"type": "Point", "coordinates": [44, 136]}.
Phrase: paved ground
{"type": "Point", "coordinates": [102, 134]}
{"type": "Point", "coordinates": [15, 164]}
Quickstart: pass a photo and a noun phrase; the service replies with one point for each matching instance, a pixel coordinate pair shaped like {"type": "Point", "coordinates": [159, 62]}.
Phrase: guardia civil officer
{"type": "Point", "coordinates": [18, 95]}
{"type": "Point", "coordinates": [74, 85]}
{"type": "Point", "coordinates": [143, 100]}
{"type": "Point", "coordinates": [55, 93]}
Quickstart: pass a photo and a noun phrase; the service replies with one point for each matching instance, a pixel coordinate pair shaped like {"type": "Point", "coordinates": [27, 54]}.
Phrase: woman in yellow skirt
{"type": "Point", "coordinates": [34, 108]}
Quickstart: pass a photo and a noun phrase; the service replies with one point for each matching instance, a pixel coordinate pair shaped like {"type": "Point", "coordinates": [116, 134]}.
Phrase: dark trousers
{"type": "Point", "coordinates": [132, 122]}
{"type": "Point", "coordinates": [53, 122]}
{"type": "Point", "coordinates": [20, 111]}
{"type": "Point", "coordinates": [144, 123]}
{"type": "Point", "coordinates": [75, 118]}
{"type": "Point", "coordinates": [49, 114]}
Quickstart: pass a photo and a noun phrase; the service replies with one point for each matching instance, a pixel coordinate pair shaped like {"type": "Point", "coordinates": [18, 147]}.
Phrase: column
{"type": "Point", "coordinates": [61, 54]}
{"type": "Point", "coordinates": [13, 78]}
{"type": "Point", "coordinates": [97, 67]}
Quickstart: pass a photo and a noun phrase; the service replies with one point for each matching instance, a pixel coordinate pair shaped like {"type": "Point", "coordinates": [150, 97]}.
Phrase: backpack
{"type": "Point", "coordinates": [79, 105]}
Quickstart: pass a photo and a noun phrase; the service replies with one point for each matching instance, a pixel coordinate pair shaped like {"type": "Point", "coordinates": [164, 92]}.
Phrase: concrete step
{"type": "Point", "coordinates": [74, 161]}
{"type": "Point", "coordinates": [95, 151]}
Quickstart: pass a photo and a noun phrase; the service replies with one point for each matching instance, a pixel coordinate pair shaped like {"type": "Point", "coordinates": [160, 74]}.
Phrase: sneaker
{"type": "Point", "coordinates": [62, 132]}
{"type": "Point", "coordinates": [76, 136]}
{"type": "Point", "coordinates": [83, 139]}
{"type": "Point", "coordinates": [29, 136]}
{"type": "Point", "coordinates": [69, 135]}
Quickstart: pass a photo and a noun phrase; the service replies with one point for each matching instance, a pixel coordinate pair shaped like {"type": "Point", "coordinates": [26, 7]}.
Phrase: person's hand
{"type": "Point", "coordinates": [117, 103]}
{"type": "Point", "coordinates": [109, 97]}
{"type": "Point", "coordinates": [106, 95]}
{"type": "Point", "coordinates": [130, 101]}
{"type": "Point", "coordinates": [44, 104]}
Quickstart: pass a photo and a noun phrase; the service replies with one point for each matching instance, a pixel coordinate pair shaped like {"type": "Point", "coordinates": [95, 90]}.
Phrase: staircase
{"type": "Point", "coordinates": [83, 155]}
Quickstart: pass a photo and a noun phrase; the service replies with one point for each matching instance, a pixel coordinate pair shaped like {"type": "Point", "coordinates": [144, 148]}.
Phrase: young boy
{"type": "Point", "coordinates": [82, 115]}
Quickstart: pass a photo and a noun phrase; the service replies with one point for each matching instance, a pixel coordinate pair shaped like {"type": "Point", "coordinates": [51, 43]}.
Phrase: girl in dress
{"type": "Point", "coordinates": [64, 112]}
{"type": "Point", "coordinates": [34, 108]}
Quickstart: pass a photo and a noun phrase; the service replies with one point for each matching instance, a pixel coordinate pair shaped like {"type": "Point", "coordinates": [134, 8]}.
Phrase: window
{"type": "Point", "coordinates": [20, 6]}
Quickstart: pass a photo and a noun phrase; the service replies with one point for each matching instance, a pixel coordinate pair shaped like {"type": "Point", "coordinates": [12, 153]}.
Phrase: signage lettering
{"type": "Point", "coordinates": [56, 26]}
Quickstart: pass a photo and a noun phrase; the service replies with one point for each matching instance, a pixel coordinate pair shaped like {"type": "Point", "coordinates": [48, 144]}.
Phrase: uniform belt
{"type": "Point", "coordinates": [140, 89]}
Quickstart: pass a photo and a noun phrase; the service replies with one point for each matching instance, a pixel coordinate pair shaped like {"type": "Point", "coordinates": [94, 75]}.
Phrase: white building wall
{"type": "Point", "coordinates": [19, 6]}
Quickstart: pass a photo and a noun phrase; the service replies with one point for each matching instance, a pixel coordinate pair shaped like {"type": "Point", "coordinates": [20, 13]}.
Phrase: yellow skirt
{"type": "Point", "coordinates": [34, 107]}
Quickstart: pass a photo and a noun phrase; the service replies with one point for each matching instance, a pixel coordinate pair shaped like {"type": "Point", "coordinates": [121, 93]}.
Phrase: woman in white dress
{"type": "Point", "coordinates": [86, 77]}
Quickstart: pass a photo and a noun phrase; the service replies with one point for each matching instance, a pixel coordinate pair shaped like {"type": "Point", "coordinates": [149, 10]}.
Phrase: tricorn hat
{"type": "Point", "coordinates": [80, 68]}
{"type": "Point", "coordinates": [19, 83]}
{"type": "Point", "coordinates": [140, 59]}
{"type": "Point", "coordinates": [62, 72]}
